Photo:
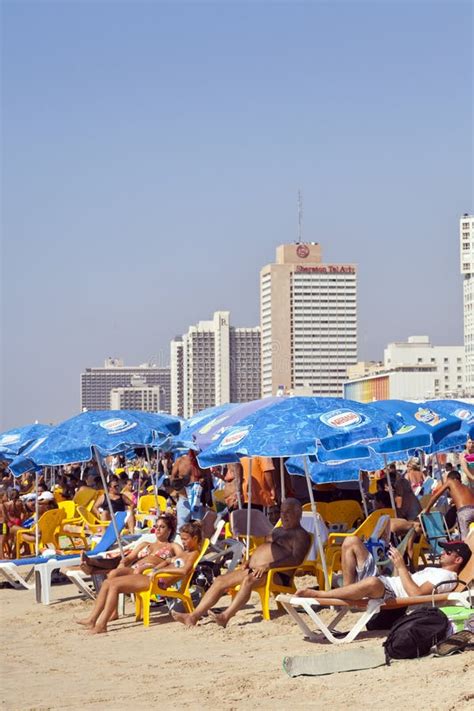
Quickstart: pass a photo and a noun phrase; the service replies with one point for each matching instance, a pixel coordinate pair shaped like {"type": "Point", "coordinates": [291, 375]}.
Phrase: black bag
{"type": "Point", "coordinates": [385, 619]}
{"type": "Point", "coordinates": [415, 634]}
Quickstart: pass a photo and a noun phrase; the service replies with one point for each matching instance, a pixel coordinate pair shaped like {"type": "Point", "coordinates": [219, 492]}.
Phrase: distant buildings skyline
{"type": "Point", "coordinates": [306, 343]}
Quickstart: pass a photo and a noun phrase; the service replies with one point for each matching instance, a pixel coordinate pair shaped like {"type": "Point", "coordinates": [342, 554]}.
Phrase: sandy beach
{"type": "Point", "coordinates": [51, 663]}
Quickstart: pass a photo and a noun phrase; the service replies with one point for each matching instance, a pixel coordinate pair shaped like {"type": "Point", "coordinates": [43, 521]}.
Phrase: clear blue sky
{"type": "Point", "coordinates": [152, 154]}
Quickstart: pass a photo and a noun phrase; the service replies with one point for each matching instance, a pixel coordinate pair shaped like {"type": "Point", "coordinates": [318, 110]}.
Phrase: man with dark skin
{"type": "Point", "coordinates": [462, 497]}
{"type": "Point", "coordinates": [287, 545]}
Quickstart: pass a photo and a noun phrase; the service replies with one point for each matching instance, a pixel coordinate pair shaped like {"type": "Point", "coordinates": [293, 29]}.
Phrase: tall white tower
{"type": "Point", "coordinates": [466, 234]}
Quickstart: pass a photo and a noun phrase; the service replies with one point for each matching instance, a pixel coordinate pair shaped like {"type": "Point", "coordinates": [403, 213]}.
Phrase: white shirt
{"type": "Point", "coordinates": [428, 575]}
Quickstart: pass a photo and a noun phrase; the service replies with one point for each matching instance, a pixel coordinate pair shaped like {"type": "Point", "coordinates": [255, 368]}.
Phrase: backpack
{"type": "Point", "coordinates": [415, 633]}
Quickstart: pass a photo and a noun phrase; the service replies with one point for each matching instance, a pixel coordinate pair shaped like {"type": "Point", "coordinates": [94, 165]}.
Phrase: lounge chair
{"type": "Point", "coordinates": [180, 590]}
{"type": "Point", "coordinates": [460, 597]}
{"type": "Point", "coordinates": [44, 569]}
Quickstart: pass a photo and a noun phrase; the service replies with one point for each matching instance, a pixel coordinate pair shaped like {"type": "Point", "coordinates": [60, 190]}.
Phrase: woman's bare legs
{"type": "Point", "coordinates": [125, 584]}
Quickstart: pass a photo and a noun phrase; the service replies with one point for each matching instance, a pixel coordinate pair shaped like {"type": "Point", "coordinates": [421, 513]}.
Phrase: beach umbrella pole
{"type": "Point", "coordinates": [282, 481]}
{"type": "Point", "coordinates": [316, 524]}
{"type": "Point", "coordinates": [249, 510]}
{"type": "Point", "coordinates": [389, 482]}
{"type": "Point", "coordinates": [109, 503]}
{"type": "Point", "coordinates": [364, 500]}
{"type": "Point", "coordinates": [153, 479]}
{"type": "Point", "coordinates": [36, 516]}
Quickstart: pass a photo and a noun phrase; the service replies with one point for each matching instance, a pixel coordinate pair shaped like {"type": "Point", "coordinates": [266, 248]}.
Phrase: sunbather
{"type": "Point", "coordinates": [462, 497]}
{"type": "Point", "coordinates": [105, 607]}
{"type": "Point", "coordinates": [287, 545]}
{"type": "Point", "coordinates": [361, 581]}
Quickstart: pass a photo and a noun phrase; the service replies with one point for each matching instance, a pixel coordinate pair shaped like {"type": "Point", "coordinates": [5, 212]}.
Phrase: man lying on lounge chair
{"type": "Point", "coordinates": [361, 580]}
{"type": "Point", "coordinates": [286, 546]}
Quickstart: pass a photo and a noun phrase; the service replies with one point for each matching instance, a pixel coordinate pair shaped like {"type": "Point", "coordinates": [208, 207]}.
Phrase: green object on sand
{"type": "Point", "coordinates": [458, 615]}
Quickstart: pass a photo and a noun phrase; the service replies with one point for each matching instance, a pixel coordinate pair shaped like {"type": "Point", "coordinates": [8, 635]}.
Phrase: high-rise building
{"type": "Point", "coordinates": [308, 319]}
{"type": "Point", "coordinates": [466, 234]}
{"type": "Point", "coordinates": [97, 383]}
{"type": "Point", "coordinates": [138, 396]}
{"type": "Point", "coordinates": [214, 363]}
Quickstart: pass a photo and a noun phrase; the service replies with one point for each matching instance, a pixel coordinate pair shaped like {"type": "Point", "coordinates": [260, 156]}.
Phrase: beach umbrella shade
{"type": "Point", "coordinates": [455, 408]}
{"type": "Point", "coordinates": [194, 430]}
{"type": "Point", "coordinates": [95, 434]}
{"type": "Point", "coordinates": [15, 441]}
{"type": "Point", "coordinates": [286, 426]}
{"type": "Point", "coordinates": [108, 431]}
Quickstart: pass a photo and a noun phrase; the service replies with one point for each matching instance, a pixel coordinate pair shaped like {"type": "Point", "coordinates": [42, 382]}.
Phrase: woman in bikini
{"type": "Point", "coordinates": [105, 607]}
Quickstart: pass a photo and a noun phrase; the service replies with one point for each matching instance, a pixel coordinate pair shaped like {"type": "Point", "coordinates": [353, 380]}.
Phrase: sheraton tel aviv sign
{"type": "Point", "coordinates": [326, 269]}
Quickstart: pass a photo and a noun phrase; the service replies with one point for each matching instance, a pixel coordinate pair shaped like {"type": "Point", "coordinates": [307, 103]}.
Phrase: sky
{"type": "Point", "coordinates": [152, 153]}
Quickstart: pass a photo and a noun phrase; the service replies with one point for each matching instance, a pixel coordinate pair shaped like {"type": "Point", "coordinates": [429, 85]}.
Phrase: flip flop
{"type": "Point", "coordinates": [456, 643]}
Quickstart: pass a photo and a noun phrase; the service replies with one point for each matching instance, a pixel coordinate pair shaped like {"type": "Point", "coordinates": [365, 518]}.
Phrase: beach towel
{"type": "Point", "coordinates": [335, 662]}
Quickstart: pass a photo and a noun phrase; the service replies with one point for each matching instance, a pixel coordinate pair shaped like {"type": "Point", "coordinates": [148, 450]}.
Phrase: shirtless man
{"type": "Point", "coordinates": [361, 580]}
{"type": "Point", "coordinates": [287, 545]}
{"type": "Point", "coordinates": [462, 497]}
{"type": "Point", "coordinates": [467, 466]}
{"type": "Point", "coordinates": [191, 499]}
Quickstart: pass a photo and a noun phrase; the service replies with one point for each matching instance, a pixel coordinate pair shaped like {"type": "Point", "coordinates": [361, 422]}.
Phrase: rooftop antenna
{"type": "Point", "coordinates": [300, 217]}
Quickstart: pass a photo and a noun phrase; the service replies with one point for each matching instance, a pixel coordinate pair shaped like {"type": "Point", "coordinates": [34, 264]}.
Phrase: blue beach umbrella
{"type": "Point", "coordinates": [333, 471]}
{"type": "Point", "coordinates": [108, 431]}
{"type": "Point", "coordinates": [456, 408]}
{"type": "Point", "coordinates": [286, 426]}
{"type": "Point", "coordinates": [14, 441]}
{"type": "Point", "coordinates": [194, 430]}
{"type": "Point", "coordinates": [95, 434]}
{"type": "Point", "coordinates": [424, 426]}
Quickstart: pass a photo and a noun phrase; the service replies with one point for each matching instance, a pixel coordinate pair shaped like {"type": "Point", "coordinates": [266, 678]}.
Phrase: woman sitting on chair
{"type": "Point", "coordinates": [128, 580]}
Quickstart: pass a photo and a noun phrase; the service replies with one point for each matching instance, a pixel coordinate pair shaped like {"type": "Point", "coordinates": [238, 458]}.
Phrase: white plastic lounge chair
{"type": "Point", "coordinates": [44, 570]}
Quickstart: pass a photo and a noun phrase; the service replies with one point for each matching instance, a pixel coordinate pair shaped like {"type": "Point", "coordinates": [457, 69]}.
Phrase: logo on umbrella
{"type": "Point", "coordinates": [117, 426]}
{"type": "Point", "coordinates": [234, 437]}
{"type": "Point", "coordinates": [404, 429]}
{"type": "Point", "coordinates": [463, 414]}
{"type": "Point", "coordinates": [9, 439]}
{"type": "Point", "coordinates": [343, 419]}
{"type": "Point", "coordinates": [428, 417]}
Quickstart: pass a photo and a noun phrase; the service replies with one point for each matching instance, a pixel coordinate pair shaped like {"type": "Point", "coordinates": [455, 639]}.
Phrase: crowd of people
{"type": "Point", "coordinates": [191, 491]}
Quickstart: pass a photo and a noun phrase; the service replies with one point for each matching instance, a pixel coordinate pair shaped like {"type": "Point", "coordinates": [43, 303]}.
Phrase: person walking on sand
{"type": "Point", "coordinates": [462, 497]}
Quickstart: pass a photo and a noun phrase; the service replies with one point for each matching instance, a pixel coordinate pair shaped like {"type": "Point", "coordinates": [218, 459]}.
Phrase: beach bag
{"type": "Point", "coordinates": [415, 633]}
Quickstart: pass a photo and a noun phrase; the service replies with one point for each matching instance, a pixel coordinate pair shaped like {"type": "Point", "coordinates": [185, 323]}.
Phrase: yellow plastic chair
{"type": "Point", "coordinates": [69, 507]}
{"type": "Point", "coordinates": [142, 599]}
{"type": "Point", "coordinates": [345, 511]}
{"type": "Point", "coordinates": [147, 502]}
{"type": "Point", "coordinates": [90, 522]}
{"type": "Point", "coordinates": [365, 529]}
{"type": "Point", "coordinates": [218, 500]}
{"type": "Point", "coordinates": [321, 507]}
{"type": "Point", "coordinates": [86, 497]}
{"type": "Point", "coordinates": [47, 525]}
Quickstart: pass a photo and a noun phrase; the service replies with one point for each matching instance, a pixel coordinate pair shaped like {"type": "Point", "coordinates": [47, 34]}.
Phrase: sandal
{"type": "Point", "coordinates": [456, 643]}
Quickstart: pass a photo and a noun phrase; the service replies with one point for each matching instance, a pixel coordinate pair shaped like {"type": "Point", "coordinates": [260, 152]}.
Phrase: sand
{"type": "Point", "coordinates": [48, 662]}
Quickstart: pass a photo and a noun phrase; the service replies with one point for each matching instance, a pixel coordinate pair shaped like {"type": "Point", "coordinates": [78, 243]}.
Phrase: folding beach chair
{"type": "Point", "coordinates": [435, 530]}
{"type": "Point", "coordinates": [460, 597]}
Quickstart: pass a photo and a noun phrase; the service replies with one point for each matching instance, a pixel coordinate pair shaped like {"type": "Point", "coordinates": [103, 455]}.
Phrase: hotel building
{"type": "Point", "coordinates": [308, 318]}
{"type": "Point", "coordinates": [466, 234]}
{"type": "Point", "coordinates": [97, 383]}
{"type": "Point", "coordinates": [214, 363]}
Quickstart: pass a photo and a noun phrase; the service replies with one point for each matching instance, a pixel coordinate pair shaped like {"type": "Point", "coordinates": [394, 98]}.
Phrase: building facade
{"type": "Point", "coordinates": [466, 236]}
{"type": "Point", "coordinates": [308, 320]}
{"type": "Point", "coordinates": [148, 398]}
{"type": "Point", "coordinates": [97, 383]}
{"type": "Point", "coordinates": [214, 363]}
{"type": "Point", "coordinates": [412, 370]}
